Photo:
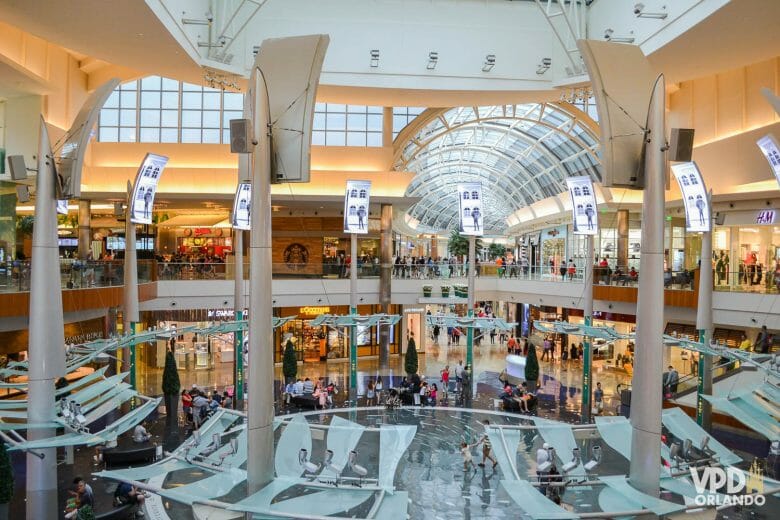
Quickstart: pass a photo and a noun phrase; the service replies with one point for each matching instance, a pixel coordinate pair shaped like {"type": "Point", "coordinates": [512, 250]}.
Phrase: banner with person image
{"type": "Point", "coordinates": [695, 197]}
{"type": "Point", "coordinates": [470, 207]}
{"type": "Point", "coordinates": [356, 206]}
{"type": "Point", "coordinates": [242, 206]}
{"type": "Point", "coordinates": [585, 217]}
{"type": "Point", "coordinates": [145, 188]}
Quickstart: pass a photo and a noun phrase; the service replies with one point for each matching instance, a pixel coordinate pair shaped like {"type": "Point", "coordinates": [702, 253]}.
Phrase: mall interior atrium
{"type": "Point", "coordinates": [389, 259]}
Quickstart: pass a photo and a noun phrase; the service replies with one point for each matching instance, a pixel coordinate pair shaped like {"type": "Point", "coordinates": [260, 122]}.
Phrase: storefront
{"type": "Point", "coordinates": [193, 351]}
{"type": "Point", "coordinates": [314, 344]}
{"type": "Point", "coordinates": [746, 250]}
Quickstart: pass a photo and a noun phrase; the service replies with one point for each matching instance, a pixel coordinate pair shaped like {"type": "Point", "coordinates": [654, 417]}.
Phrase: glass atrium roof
{"type": "Point", "coordinates": [520, 153]}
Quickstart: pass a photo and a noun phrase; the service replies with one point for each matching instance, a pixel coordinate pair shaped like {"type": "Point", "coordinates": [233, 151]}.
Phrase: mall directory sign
{"type": "Point", "coordinates": [583, 205]}
{"type": "Point", "coordinates": [145, 188]}
{"type": "Point", "coordinates": [241, 206]}
{"type": "Point", "coordinates": [470, 207]}
{"type": "Point", "coordinates": [771, 150]}
{"type": "Point", "coordinates": [356, 206]}
{"type": "Point", "coordinates": [695, 197]}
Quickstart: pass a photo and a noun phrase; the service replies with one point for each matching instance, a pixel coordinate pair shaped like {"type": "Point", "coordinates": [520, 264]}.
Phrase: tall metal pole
{"type": "Point", "coordinates": [260, 434]}
{"type": "Point", "coordinates": [47, 337]}
{"type": "Point", "coordinates": [587, 355]}
{"type": "Point", "coordinates": [238, 312]}
{"type": "Point", "coordinates": [645, 465]}
{"type": "Point", "coordinates": [130, 313]}
{"type": "Point", "coordinates": [353, 251]}
{"type": "Point", "coordinates": [385, 280]}
{"type": "Point", "coordinates": [244, 174]}
{"type": "Point", "coordinates": [470, 303]}
{"type": "Point", "coordinates": [705, 326]}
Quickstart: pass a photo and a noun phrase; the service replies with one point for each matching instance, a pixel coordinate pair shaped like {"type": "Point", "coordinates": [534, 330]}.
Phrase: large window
{"type": "Point", "coordinates": [162, 110]}
{"type": "Point", "coordinates": [346, 125]}
{"type": "Point", "coordinates": [402, 116]}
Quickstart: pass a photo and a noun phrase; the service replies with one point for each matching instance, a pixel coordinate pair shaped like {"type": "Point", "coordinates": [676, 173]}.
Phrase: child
{"type": "Point", "coordinates": [465, 450]}
{"type": "Point", "coordinates": [433, 395]}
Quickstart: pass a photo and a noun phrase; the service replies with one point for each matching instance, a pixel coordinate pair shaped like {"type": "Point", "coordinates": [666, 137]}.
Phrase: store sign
{"type": "Point", "coordinates": [313, 311]}
{"type": "Point", "coordinates": [241, 206]}
{"type": "Point", "coordinates": [356, 207]}
{"type": "Point", "coordinates": [771, 150]}
{"type": "Point", "coordinates": [695, 197]}
{"type": "Point", "coordinates": [145, 188]}
{"type": "Point", "coordinates": [584, 216]}
{"type": "Point", "coordinates": [220, 313]}
{"type": "Point", "coordinates": [766, 216]}
{"type": "Point", "coordinates": [470, 207]}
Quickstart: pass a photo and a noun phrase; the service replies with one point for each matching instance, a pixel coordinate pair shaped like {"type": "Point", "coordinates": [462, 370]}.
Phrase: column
{"type": "Point", "coordinates": [644, 472]}
{"type": "Point", "coordinates": [85, 237]}
{"type": "Point", "coordinates": [260, 416]}
{"type": "Point", "coordinates": [622, 239]}
{"type": "Point", "coordinates": [385, 279]}
{"type": "Point", "coordinates": [434, 247]}
{"type": "Point", "coordinates": [387, 127]}
{"type": "Point", "coordinates": [470, 306]}
{"type": "Point", "coordinates": [46, 345]}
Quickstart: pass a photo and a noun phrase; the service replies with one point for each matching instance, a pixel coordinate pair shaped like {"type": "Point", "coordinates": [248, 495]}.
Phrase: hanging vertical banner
{"type": "Point", "coordinates": [145, 188]}
{"type": "Point", "coordinates": [470, 206]}
{"type": "Point", "coordinates": [242, 206]}
{"type": "Point", "coordinates": [62, 206]}
{"type": "Point", "coordinates": [771, 150]}
{"type": "Point", "coordinates": [585, 218]}
{"type": "Point", "coordinates": [356, 207]}
{"type": "Point", "coordinates": [694, 194]}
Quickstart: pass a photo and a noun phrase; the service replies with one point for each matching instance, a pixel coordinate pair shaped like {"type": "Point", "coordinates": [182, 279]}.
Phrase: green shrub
{"type": "Point", "coordinates": [289, 361]}
{"type": "Point", "coordinates": [531, 365]}
{"type": "Point", "coordinates": [410, 359]}
{"type": "Point", "coordinates": [171, 385]}
{"type": "Point", "coordinates": [6, 476]}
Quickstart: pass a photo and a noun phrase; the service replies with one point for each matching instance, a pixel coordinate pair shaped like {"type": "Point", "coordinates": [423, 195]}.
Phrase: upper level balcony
{"type": "Point", "coordinates": [739, 299]}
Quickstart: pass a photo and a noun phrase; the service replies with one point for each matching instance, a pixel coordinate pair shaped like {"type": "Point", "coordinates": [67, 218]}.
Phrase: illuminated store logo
{"type": "Point", "coordinates": [313, 311]}
{"type": "Point", "coordinates": [220, 313]}
{"type": "Point", "coordinates": [766, 216]}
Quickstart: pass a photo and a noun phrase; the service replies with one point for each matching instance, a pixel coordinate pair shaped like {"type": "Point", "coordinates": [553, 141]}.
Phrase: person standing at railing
{"type": "Point", "coordinates": [745, 344]}
{"type": "Point", "coordinates": [572, 268]}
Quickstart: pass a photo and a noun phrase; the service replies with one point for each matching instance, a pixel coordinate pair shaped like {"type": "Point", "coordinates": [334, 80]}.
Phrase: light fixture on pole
{"type": "Point", "coordinates": [433, 59]}
{"type": "Point", "coordinates": [543, 66]}
{"type": "Point", "coordinates": [490, 62]}
{"type": "Point", "coordinates": [374, 58]}
{"type": "Point", "coordinates": [639, 11]}
{"type": "Point", "coordinates": [608, 35]}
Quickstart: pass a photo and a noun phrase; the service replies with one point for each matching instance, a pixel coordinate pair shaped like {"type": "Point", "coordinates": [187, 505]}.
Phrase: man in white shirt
{"type": "Point", "coordinates": [459, 376]}
{"type": "Point", "coordinates": [298, 387]}
{"type": "Point", "coordinates": [140, 435]}
{"type": "Point", "coordinates": [308, 386]}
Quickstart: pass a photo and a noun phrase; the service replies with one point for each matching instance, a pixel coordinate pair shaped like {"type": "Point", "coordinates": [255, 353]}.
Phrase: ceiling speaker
{"type": "Point", "coordinates": [17, 167]}
{"type": "Point", "coordinates": [681, 145]}
{"type": "Point", "coordinates": [23, 193]}
{"type": "Point", "coordinates": [240, 135]}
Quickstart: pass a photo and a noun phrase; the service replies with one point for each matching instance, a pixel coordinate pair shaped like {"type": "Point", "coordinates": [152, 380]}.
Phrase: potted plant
{"type": "Point", "coordinates": [427, 290]}
{"type": "Point", "coordinates": [445, 291]}
{"type": "Point", "coordinates": [410, 359]}
{"type": "Point", "coordinates": [171, 386]}
{"type": "Point", "coordinates": [531, 368]}
{"type": "Point", "coordinates": [85, 513]}
{"type": "Point", "coordinates": [289, 362]}
{"type": "Point", "coordinates": [6, 482]}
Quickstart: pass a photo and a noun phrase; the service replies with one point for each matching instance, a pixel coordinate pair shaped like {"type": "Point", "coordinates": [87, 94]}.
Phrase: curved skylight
{"type": "Point", "coordinates": [520, 153]}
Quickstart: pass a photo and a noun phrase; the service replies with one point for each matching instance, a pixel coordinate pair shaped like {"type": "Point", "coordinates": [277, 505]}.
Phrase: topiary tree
{"type": "Point", "coordinates": [410, 359]}
{"type": "Point", "coordinates": [289, 362]}
{"type": "Point", "coordinates": [496, 250]}
{"type": "Point", "coordinates": [85, 513]}
{"type": "Point", "coordinates": [6, 481]}
{"type": "Point", "coordinates": [531, 368]}
{"type": "Point", "coordinates": [171, 385]}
